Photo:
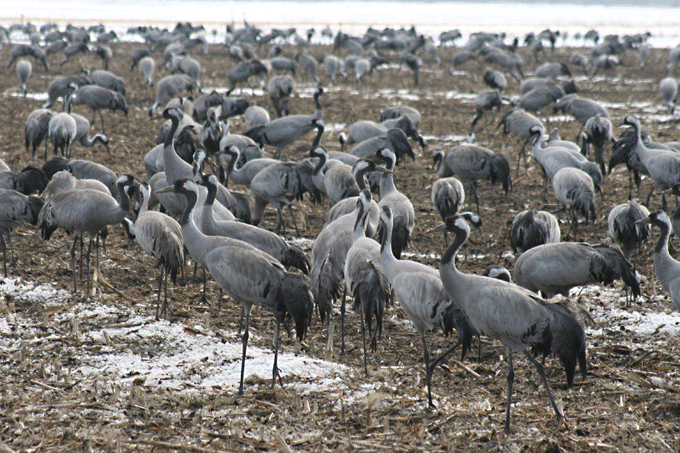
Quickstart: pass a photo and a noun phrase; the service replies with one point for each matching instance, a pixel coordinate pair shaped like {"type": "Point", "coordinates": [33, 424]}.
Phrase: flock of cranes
{"type": "Point", "coordinates": [182, 213]}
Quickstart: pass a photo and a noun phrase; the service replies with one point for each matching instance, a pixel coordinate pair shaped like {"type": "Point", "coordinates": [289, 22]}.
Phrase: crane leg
{"type": "Point", "coordinates": [511, 378]}
{"type": "Point", "coordinates": [160, 287]}
{"type": "Point", "coordinates": [282, 223]}
{"type": "Point", "coordinates": [447, 352]}
{"type": "Point", "coordinates": [89, 255]}
{"type": "Point", "coordinates": [244, 340]}
{"type": "Point", "coordinates": [363, 336]}
{"type": "Point", "coordinates": [275, 372]}
{"type": "Point", "coordinates": [4, 250]}
{"type": "Point", "coordinates": [101, 117]}
{"type": "Point", "coordinates": [73, 263]}
{"type": "Point", "coordinates": [342, 322]}
{"type": "Point", "coordinates": [560, 418]}
{"type": "Point", "coordinates": [428, 372]}
{"type": "Point", "coordinates": [11, 247]}
{"type": "Point", "coordinates": [292, 214]}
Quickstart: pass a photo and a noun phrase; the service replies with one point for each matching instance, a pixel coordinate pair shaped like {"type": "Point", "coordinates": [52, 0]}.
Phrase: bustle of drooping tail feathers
{"type": "Point", "coordinates": [372, 296]}
{"type": "Point", "coordinates": [400, 238]}
{"type": "Point", "coordinates": [186, 143]}
{"type": "Point", "coordinates": [305, 172]}
{"type": "Point", "coordinates": [447, 200]}
{"type": "Point", "coordinates": [45, 225]}
{"type": "Point", "coordinates": [297, 300]}
{"type": "Point", "coordinates": [326, 286]}
{"type": "Point", "coordinates": [257, 133]}
{"type": "Point", "coordinates": [35, 204]}
{"type": "Point", "coordinates": [296, 257]}
{"type": "Point", "coordinates": [31, 179]}
{"type": "Point", "coordinates": [611, 266]}
{"type": "Point", "coordinates": [54, 165]}
{"type": "Point", "coordinates": [455, 318]}
{"type": "Point", "coordinates": [568, 338]}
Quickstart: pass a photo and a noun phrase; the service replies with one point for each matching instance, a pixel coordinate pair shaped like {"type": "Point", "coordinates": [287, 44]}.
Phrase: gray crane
{"type": "Point", "coordinates": [97, 98]}
{"type": "Point", "coordinates": [105, 53]}
{"type": "Point", "coordinates": [24, 70]}
{"type": "Point", "coordinates": [72, 50]}
{"type": "Point", "coordinates": [309, 65]}
{"type": "Point", "coordinates": [413, 62]}
{"type": "Point", "coordinates": [668, 88]}
{"type": "Point", "coordinates": [643, 52]}
{"type": "Point", "coordinates": [485, 101]}
{"type": "Point", "coordinates": [248, 275]}
{"type": "Point", "coordinates": [62, 130]}
{"type": "Point", "coordinates": [279, 89]}
{"type": "Point", "coordinates": [532, 228]}
{"type": "Point", "coordinates": [667, 269]}
{"type": "Point", "coordinates": [37, 130]}
{"type": "Point", "coordinates": [360, 168]}
{"type": "Point", "coordinates": [574, 188]}
{"type": "Point", "coordinates": [256, 116]}
{"type": "Point", "coordinates": [495, 79]}
{"type": "Point", "coordinates": [82, 133]}
{"type": "Point", "coordinates": [337, 180]}
{"type": "Point", "coordinates": [281, 63]}
{"type": "Point", "coordinates": [663, 166]}
{"type": "Point", "coordinates": [397, 111]}
{"type": "Point", "coordinates": [403, 215]}
{"type": "Point", "coordinates": [62, 87]}
{"type": "Point", "coordinates": [623, 230]}
{"type": "Point", "coordinates": [448, 197]}
{"type": "Point", "coordinates": [286, 253]}
{"type": "Point", "coordinates": [394, 139]}
{"type": "Point", "coordinates": [106, 79]}
{"type": "Point", "coordinates": [365, 129]}
{"type": "Point", "coordinates": [160, 236]}
{"type": "Point", "coordinates": [552, 70]}
{"type": "Point", "coordinates": [245, 173]}
{"type": "Point", "coordinates": [580, 108]}
{"type": "Point", "coordinates": [422, 296]}
{"type": "Point", "coordinates": [460, 59]}
{"type": "Point", "coordinates": [472, 162]}
{"type": "Point", "coordinates": [675, 220]}
{"type": "Point", "coordinates": [84, 211]}
{"type": "Point", "coordinates": [539, 98]}
{"type": "Point", "coordinates": [189, 66]}
{"type": "Point", "coordinates": [519, 123]}
{"type": "Point", "coordinates": [168, 87]}
{"type": "Point", "coordinates": [280, 184]}
{"type": "Point", "coordinates": [509, 63]}
{"type": "Point", "coordinates": [366, 281]}
{"type": "Point", "coordinates": [511, 314]}
{"type": "Point", "coordinates": [27, 181]}
{"type": "Point", "coordinates": [83, 169]}
{"type": "Point", "coordinates": [556, 268]}
{"type": "Point", "coordinates": [598, 133]}
{"type": "Point", "coordinates": [335, 67]}
{"type": "Point", "coordinates": [328, 263]}
{"type": "Point", "coordinates": [286, 130]}
{"type": "Point", "coordinates": [55, 47]}
{"type": "Point", "coordinates": [63, 180]}
{"type": "Point", "coordinates": [147, 66]}
{"type": "Point", "coordinates": [243, 71]}
{"type": "Point", "coordinates": [24, 50]}
{"type": "Point", "coordinates": [16, 209]}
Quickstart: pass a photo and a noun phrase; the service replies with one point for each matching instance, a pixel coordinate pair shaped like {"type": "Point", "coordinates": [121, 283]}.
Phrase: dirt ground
{"type": "Point", "coordinates": [618, 407]}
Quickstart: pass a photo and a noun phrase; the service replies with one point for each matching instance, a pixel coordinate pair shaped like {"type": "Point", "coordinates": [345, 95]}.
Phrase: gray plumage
{"type": "Point", "coordinates": [494, 79]}
{"type": "Point", "coordinates": [243, 71]}
{"type": "Point", "coordinates": [64, 180]}
{"type": "Point", "coordinates": [37, 130]}
{"type": "Point", "coordinates": [309, 65]}
{"type": "Point", "coordinates": [82, 133]}
{"type": "Point", "coordinates": [189, 66]}
{"type": "Point", "coordinates": [485, 101]}
{"type": "Point", "coordinates": [147, 66]}
{"type": "Point", "coordinates": [403, 215]}
{"type": "Point", "coordinates": [395, 139]}
{"type": "Point", "coordinates": [556, 268]}
{"type": "Point", "coordinates": [245, 173]}
{"type": "Point", "coordinates": [16, 209]}
{"type": "Point", "coordinates": [623, 230]}
{"type": "Point", "coordinates": [256, 116]}
{"type": "Point", "coordinates": [24, 70]}
{"type": "Point", "coordinates": [666, 268]}
{"type": "Point", "coordinates": [422, 296]}
{"type": "Point", "coordinates": [83, 169]}
{"type": "Point", "coordinates": [335, 67]}
{"type": "Point", "coordinates": [107, 79]}
{"type": "Point", "coordinates": [598, 133]}
{"type": "Point", "coordinates": [574, 188]}
{"type": "Point", "coordinates": [250, 276]}
{"type": "Point", "coordinates": [160, 236]}
{"type": "Point", "coordinates": [168, 87]}
{"type": "Point", "coordinates": [539, 98]}
{"type": "Point", "coordinates": [472, 162]}
{"type": "Point", "coordinates": [281, 63]}
{"type": "Point", "coordinates": [506, 312]}
{"type": "Point", "coordinates": [62, 133]}
{"type": "Point", "coordinates": [510, 64]}
{"type": "Point", "coordinates": [84, 211]}
{"type": "Point", "coordinates": [668, 88]}
{"type": "Point", "coordinates": [55, 47]}
{"type": "Point", "coordinates": [284, 131]}
{"type": "Point", "coordinates": [605, 63]}
{"type": "Point", "coordinates": [137, 55]}
{"type": "Point", "coordinates": [532, 228]}
{"type": "Point", "coordinates": [24, 50]}
{"type": "Point", "coordinates": [27, 181]}
{"type": "Point", "coordinates": [366, 281]}
{"type": "Point", "coordinates": [105, 53]}
{"type": "Point", "coordinates": [279, 89]}
{"type": "Point", "coordinates": [98, 98]}
{"type": "Point", "coordinates": [460, 59]}
{"type": "Point", "coordinates": [518, 123]}
{"type": "Point", "coordinates": [552, 70]}
{"type": "Point", "coordinates": [580, 108]}
{"type": "Point", "coordinates": [72, 50]}
{"type": "Point", "coordinates": [365, 129]}
{"type": "Point", "coordinates": [338, 180]}
{"type": "Point", "coordinates": [288, 254]}
{"type": "Point", "coordinates": [61, 87]}
{"type": "Point", "coordinates": [396, 111]}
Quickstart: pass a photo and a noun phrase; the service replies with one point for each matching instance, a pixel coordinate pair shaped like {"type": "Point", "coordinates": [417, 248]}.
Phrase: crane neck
{"type": "Point", "coordinates": [323, 159]}
{"type": "Point", "coordinates": [318, 114]}
{"type": "Point", "coordinates": [387, 184]}
{"type": "Point", "coordinates": [188, 214]}
{"type": "Point", "coordinates": [124, 197]}
{"type": "Point", "coordinates": [359, 177]}
{"type": "Point", "coordinates": [319, 133]}
{"type": "Point", "coordinates": [386, 242]}
{"type": "Point", "coordinates": [449, 256]}
{"type": "Point", "coordinates": [360, 224]}
{"type": "Point", "coordinates": [662, 243]}
{"type": "Point", "coordinates": [174, 123]}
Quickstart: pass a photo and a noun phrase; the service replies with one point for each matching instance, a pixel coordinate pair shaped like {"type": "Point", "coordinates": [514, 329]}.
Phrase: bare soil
{"type": "Point", "coordinates": [618, 407]}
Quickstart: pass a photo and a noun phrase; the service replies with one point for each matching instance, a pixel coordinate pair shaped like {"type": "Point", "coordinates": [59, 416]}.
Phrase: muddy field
{"type": "Point", "coordinates": [628, 401]}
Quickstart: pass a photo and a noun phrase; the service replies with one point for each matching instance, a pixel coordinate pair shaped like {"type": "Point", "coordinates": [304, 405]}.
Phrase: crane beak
{"type": "Point", "coordinates": [642, 221]}
{"type": "Point", "coordinates": [166, 190]}
{"type": "Point", "coordinates": [440, 227]}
